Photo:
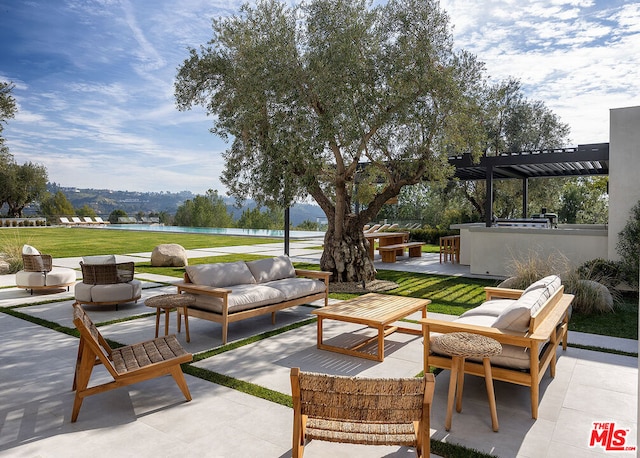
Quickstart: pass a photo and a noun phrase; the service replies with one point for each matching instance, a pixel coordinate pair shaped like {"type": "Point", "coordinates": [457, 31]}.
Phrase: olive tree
{"type": "Point", "coordinates": [513, 124]}
{"type": "Point", "coordinates": [309, 94]}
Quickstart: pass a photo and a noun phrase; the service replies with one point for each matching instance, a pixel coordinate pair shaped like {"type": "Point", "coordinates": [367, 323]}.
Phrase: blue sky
{"type": "Point", "coordinates": [94, 79]}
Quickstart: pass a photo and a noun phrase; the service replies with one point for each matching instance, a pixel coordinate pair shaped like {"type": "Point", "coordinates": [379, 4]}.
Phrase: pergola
{"type": "Point", "coordinates": [584, 160]}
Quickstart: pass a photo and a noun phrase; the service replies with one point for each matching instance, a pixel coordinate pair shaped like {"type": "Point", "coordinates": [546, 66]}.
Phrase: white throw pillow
{"type": "Point", "coordinates": [28, 249]}
{"type": "Point", "coordinates": [100, 259]}
{"type": "Point", "coordinates": [272, 269]}
{"type": "Point", "coordinates": [220, 274]}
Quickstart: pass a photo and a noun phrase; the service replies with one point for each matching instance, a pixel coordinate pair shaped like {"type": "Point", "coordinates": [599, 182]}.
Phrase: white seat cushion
{"type": "Point", "coordinates": [115, 292]}
{"type": "Point", "coordinates": [293, 288]}
{"type": "Point", "coordinates": [60, 276]}
{"type": "Point", "coordinates": [29, 279]}
{"type": "Point", "coordinates": [242, 297]}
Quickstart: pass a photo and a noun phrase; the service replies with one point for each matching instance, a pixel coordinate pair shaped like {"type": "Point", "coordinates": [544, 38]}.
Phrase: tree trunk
{"type": "Point", "coordinates": [347, 257]}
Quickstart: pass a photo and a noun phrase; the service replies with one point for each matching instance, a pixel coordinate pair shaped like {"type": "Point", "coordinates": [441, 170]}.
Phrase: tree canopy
{"type": "Point", "coordinates": [307, 94]}
{"type": "Point", "coordinates": [204, 211]}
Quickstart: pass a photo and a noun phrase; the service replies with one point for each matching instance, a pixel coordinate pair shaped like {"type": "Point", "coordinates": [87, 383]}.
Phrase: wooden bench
{"type": "Point", "coordinates": [127, 365]}
{"type": "Point", "coordinates": [389, 252]}
{"type": "Point", "coordinates": [547, 329]}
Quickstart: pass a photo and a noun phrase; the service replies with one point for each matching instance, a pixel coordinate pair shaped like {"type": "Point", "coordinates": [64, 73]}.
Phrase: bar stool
{"type": "Point", "coordinates": [461, 345]}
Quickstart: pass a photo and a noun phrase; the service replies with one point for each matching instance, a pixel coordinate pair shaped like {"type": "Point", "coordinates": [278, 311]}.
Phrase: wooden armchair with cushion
{"type": "Point", "coordinates": [105, 282]}
{"type": "Point", "coordinates": [38, 272]}
{"type": "Point", "coordinates": [127, 365]}
{"type": "Point", "coordinates": [361, 410]}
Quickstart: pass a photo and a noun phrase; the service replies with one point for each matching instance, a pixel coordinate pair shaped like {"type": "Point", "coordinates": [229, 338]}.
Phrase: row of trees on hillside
{"type": "Point", "coordinates": [309, 93]}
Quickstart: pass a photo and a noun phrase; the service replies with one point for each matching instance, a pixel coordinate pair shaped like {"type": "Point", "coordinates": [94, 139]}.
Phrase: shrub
{"type": "Point", "coordinates": [429, 235]}
{"type": "Point", "coordinates": [593, 290]}
{"type": "Point", "coordinates": [11, 249]}
{"type": "Point", "coordinates": [628, 247]}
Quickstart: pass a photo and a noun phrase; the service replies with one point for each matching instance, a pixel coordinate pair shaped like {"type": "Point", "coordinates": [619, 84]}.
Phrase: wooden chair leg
{"type": "Point", "coordinates": [178, 376]}
{"type": "Point", "coordinates": [488, 379]}
{"type": "Point", "coordinates": [83, 374]}
{"type": "Point", "coordinates": [455, 362]}
{"type": "Point", "coordinates": [460, 385]}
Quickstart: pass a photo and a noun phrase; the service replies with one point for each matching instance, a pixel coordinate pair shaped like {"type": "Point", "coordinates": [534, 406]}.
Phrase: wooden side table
{"type": "Point", "coordinates": [461, 345]}
{"type": "Point", "coordinates": [167, 302]}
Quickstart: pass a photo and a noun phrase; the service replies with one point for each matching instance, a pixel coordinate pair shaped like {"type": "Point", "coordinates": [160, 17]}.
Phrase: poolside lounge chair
{"type": "Point", "coordinates": [361, 410]}
{"type": "Point", "coordinates": [65, 220]}
{"type": "Point", "coordinates": [373, 228]}
{"type": "Point", "coordinates": [99, 220]}
{"type": "Point", "coordinates": [77, 220]}
{"type": "Point", "coordinates": [126, 365]}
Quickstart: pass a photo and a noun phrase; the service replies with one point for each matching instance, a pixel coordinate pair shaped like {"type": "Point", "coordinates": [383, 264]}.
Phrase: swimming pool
{"type": "Point", "coordinates": [216, 231]}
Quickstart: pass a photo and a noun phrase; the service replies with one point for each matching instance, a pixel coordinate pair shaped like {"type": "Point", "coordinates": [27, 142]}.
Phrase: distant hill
{"type": "Point", "coordinates": [104, 201]}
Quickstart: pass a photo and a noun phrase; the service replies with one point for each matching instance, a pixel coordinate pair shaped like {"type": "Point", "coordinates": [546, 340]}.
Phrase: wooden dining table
{"type": "Point", "coordinates": [384, 239]}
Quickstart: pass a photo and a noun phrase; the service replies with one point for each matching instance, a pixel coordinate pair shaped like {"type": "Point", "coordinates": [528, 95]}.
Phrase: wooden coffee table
{"type": "Point", "coordinates": [377, 311]}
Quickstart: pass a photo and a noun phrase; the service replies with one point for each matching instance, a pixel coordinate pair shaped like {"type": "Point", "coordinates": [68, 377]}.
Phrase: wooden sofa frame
{"type": "Point", "coordinates": [225, 317]}
{"type": "Point", "coordinates": [548, 324]}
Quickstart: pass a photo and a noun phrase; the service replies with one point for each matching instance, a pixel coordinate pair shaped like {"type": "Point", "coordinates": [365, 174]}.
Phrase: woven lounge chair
{"type": "Point", "coordinates": [127, 365]}
{"type": "Point", "coordinates": [108, 284]}
{"type": "Point", "coordinates": [361, 410]}
{"type": "Point", "coordinates": [38, 272]}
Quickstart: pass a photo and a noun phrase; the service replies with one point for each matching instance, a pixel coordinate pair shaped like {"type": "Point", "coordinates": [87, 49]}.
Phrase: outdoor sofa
{"type": "Point", "coordinates": [228, 292]}
{"type": "Point", "coordinates": [530, 324]}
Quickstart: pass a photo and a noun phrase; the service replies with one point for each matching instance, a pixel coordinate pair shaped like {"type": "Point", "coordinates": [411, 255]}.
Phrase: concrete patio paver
{"type": "Point", "coordinates": [152, 419]}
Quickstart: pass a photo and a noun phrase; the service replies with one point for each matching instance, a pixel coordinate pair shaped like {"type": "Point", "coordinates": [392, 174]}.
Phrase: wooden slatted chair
{"type": "Point", "coordinates": [361, 410]}
{"type": "Point", "coordinates": [127, 365]}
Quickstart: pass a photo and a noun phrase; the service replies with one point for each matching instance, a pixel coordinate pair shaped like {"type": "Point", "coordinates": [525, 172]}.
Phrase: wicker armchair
{"type": "Point", "coordinates": [38, 273]}
{"type": "Point", "coordinates": [108, 284]}
{"type": "Point", "coordinates": [361, 411]}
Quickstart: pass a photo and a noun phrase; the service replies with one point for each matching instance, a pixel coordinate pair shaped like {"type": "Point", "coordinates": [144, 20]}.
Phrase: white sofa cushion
{"type": "Point", "coordinates": [517, 316]}
{"type": "Point", "coordinates": [493, 307]}
{"type": "Point", "coordinates": [108, 293]}
{"type": "Point", "coordinates": [265, 270]}
{"type": "Point", "coordinates": [221, 274]}
{"type": "Point", "coordinates": [60, 276]}
{"type": "Point", "coordinates": [552, 282]}
{"type": "Point", "coordinates": [28, 249]}
{"type": "Point", "coordinates": [293, 288]}
{"type": "Point", "coordinates": [242, 297]}
{"type": "Point", "coordinates": [30, 279]}
{"type": "Point", "coordinates": [99, 259]}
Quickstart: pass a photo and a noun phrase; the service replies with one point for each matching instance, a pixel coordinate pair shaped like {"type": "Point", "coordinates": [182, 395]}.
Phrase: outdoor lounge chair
{"type": "Point", "coordinates": [361, 410]}
{"type": "Point", "coordinates": [38, 272]}
{"type": "Point", "coordinates": [105, 282]}
{"type": "Point", "coordinates": [127, 365]}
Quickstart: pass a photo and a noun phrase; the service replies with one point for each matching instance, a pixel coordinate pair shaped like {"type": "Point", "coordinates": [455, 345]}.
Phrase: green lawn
{"type": "Point", "coordinates": [452, 295]}
{"type": "Point", "coordinates": [74, 241]}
